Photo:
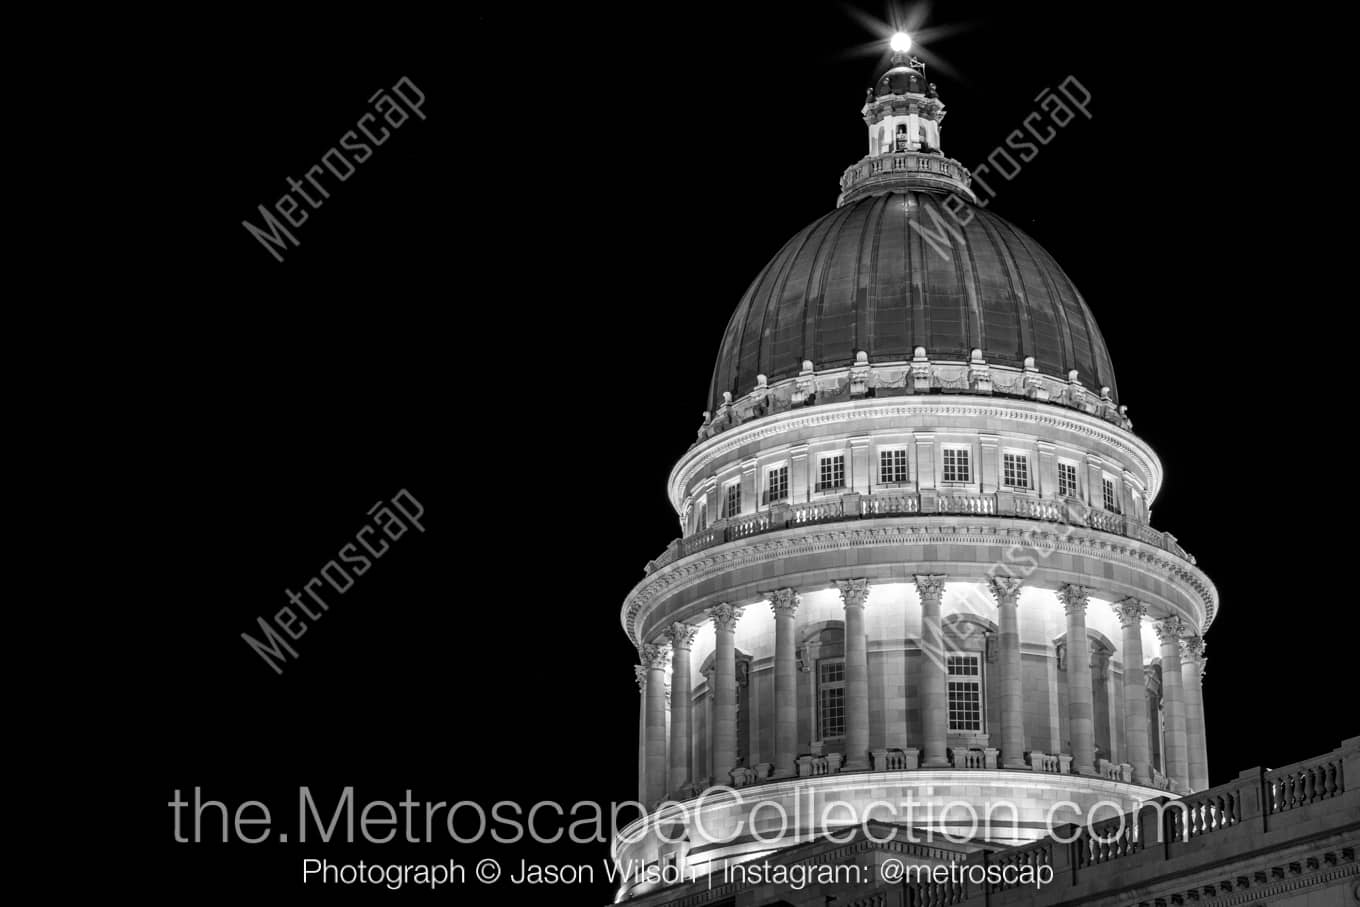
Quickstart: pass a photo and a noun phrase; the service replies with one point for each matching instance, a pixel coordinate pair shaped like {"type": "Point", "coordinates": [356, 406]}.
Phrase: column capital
{"type": "Point", "coordinates": [681, 636]}
{"type": "Point", "coordinates": [854, 592]}
{"type": "Point", "coordinates": [930, 585]}
{"type": "Point", "coordinates": [640, 675]}
{"type": "Point", "coordinates": [1192, 647]}
{"type": "Point", "coordinates": [1168, 629]}
{"type": "Point", "coordinates": [656, 657]}
{"type": "Point", "coordinates": [724, 616]}
{"type": "Point", "coordinates": [1074, 598]}
{"type": "Point", "coordinates": [1005, 589]}
{"type": "Point", "coordinates": [1130, 611]}
{"type": "Point", "coordinates": [784, 602]}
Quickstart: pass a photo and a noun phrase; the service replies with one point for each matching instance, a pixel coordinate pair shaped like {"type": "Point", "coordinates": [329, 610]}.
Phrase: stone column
{"type": "Point", "coordinates": [934, 698]}
{"type": "Point", "coordinates": [1131, 612]}
{"type": "Point", "coordinates": [1173, 704]}
{"type": "Point", "coordinates": [640, 674]}
{"type": "Point", "coordinates": [725, 619]}
{"type": "Point", "coordinates": [1080, 711]}
{"type": "Point", "coordinates": [682, 703]}
{"type": "Point", "coordinates": [1006, 589]}
{"type": "Point", "coordinates": [784, 603]}
{"type": "Point", "coordinates": [654, 658]}
{"type": "Point", "coordinates": [854, 593]}
{"type": "Point", "coordinates": [1192, 655]}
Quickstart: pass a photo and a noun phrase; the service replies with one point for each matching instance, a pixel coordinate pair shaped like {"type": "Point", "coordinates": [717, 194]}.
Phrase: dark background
{"type": "Point", "coordinates": [512, 309]}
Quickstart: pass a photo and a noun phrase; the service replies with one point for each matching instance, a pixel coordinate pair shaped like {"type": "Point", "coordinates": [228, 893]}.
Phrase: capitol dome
{"type": "Point", "coordinates": [905, 268]}
{"type": "Point", "coordinates": [916, 559]}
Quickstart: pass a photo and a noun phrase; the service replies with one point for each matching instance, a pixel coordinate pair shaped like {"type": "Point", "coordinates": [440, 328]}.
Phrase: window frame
{"type": "Point", "coordinates": [975, 679]}
{"type": "Point", "coordinates": [967, 451]}
{"type": "Point", "coordinates": [1075, 490]}
{"type": "Point", "coordinates": [728, 487]}
{"type": "Point", "coordinates": [822, 458]}
{"type": "Point", "coordinates": [770, 469]}
{"type": "Point", "coordinates": [825, 686]}
{"type": "Point", "coordinates": [1109, 493]}
{"type": "Point", "coordinates": [1022, 457]}
{"type": "Point", "coordinates": [905, 454]}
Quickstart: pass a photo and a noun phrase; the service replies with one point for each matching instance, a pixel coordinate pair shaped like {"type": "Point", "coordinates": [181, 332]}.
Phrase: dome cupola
{"type": "Point", "coordinates": [910, 286]}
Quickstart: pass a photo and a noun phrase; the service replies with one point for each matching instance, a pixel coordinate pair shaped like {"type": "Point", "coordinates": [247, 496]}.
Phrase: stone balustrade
{"type": "Point", "coordinates": [854, 506]}
{"type": "Point", "coordinates": [1265, 835]}
{"type": "Point", "coordinates": [811, 766]}
{"type": "Point", "coordinates": [1241, 817]}
{"type": "Point", "coordinates": [896, 760]}
{"type": "Point", "coordinates": [1302, 783]}
{"type": "Point", "coordinates": [974, 757]}
{"type": "Point", "coordinates": [1121, 771]}
{"type": "Point", "coordinates": [926, 169]}
{"type": "Point", "coordinates": [742, 776]}
{"type": "Point", "coordinates": [1058, 763]}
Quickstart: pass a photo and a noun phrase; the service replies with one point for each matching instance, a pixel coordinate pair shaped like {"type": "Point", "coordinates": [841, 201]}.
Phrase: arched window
{"type": "Point", "coordinates": [822, 651]}
{"type": "Point", "coordinates": [967, 656]}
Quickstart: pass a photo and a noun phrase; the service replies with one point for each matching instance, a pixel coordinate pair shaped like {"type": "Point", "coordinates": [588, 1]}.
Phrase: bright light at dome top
{"type": "Point", "coordinates": [900, 42]}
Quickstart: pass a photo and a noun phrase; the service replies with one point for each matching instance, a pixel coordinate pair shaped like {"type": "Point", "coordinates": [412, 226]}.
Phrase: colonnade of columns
{"type": "Point", "coordinates": [669, 769]}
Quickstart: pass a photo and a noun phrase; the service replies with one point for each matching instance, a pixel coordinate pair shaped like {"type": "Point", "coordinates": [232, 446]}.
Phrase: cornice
{"type": "Point", "coordinates": [917, 530]}
{"type": "Point", "coordinates": [723, 445]}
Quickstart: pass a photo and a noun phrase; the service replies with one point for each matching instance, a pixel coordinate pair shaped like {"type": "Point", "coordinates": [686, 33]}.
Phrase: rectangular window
{"type": "Point", "coordinates": [957, 466]}
{"type": "Point", "coordinates": [831, 698]}
{"type": "Point", "coordinates": [831, 472]}
{"type": "Point", "coordinates": [777, 484]}
{"type": "Point", "coordinates": [965, 692]}
{"type": "Point", "coordinates": [1015, 470]}
{"type": "Point", "coordinates": [732, 500]}
{"type": "Point", "coordinates": [892, 467]}
{"type": "Point", "coordinates": [1067, 480]}
{"type": "Point", "coordinates": [701, 521]}
{"type": "Point", "coordinates": [1108, 496]}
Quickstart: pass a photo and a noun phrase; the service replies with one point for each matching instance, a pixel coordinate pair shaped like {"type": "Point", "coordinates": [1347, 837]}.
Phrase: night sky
{"type": "Point", "coordinates": [512, 311]}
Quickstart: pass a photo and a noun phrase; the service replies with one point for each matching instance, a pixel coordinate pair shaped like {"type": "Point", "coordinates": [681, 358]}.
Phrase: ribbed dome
{"type": "Point", "coordinates": [863, 278]}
